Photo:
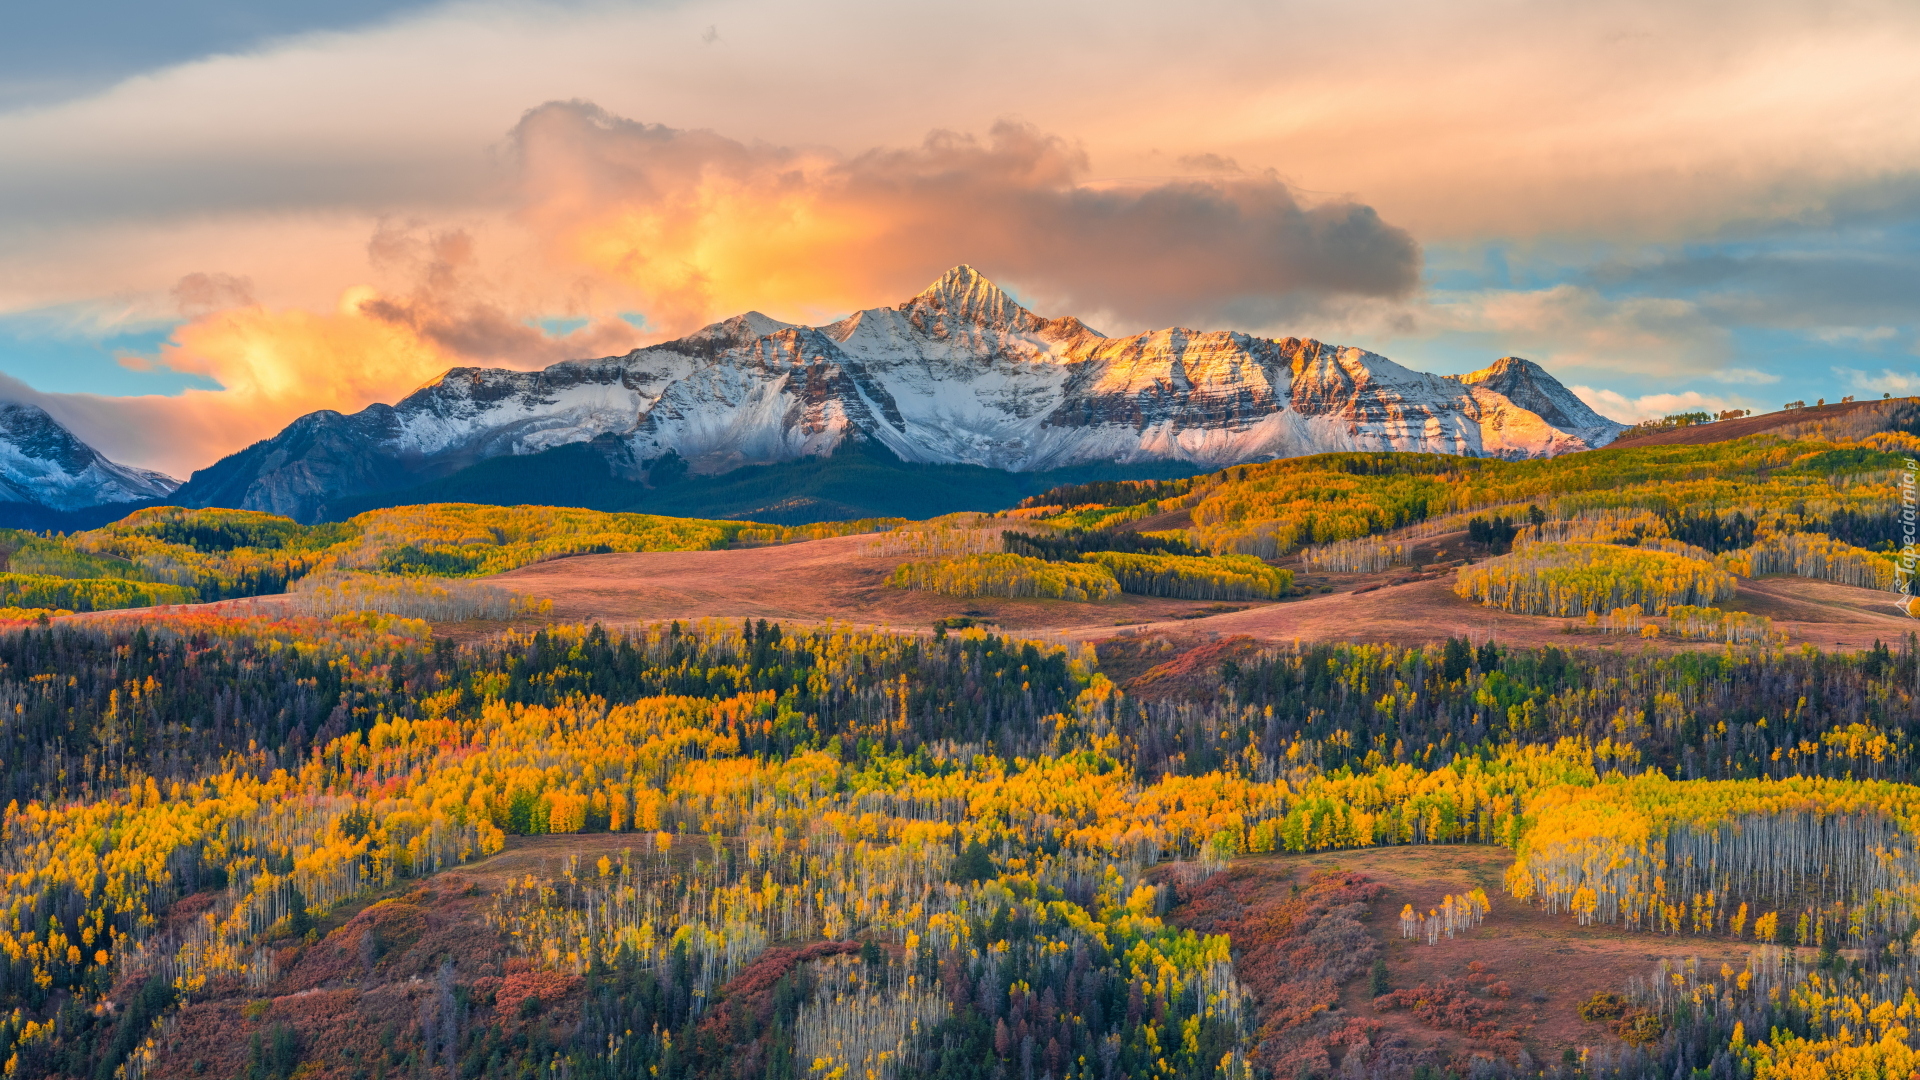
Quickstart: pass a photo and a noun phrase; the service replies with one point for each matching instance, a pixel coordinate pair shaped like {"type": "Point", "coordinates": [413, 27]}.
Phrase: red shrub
{"type": "Point", "coordinates": [548, 986]}
{"type": "Point", "coordinates": [1446, 1004]}
{"type": "Point", "coordinates": [1293, 952]}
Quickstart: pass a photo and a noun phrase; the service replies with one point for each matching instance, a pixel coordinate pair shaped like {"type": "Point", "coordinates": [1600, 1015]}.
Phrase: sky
{"type": "Point", "coordinates": [215, 216]}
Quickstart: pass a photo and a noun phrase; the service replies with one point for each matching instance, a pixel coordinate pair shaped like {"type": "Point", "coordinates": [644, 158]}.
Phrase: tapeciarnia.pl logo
{"type": "Point", "coordinates": [1905, 565]}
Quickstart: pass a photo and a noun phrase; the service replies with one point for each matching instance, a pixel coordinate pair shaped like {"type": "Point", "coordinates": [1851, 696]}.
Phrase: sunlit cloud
{"type": "Point", "coordinates": [1575, 326]}
{"type": "Point", "coordinates": [1654, 406]}
{"type": "Point", "coordinates": [1209, 186]}
{"type": "Point", "coordinates": [1607, 120]}
{"type": "Point", "coordinates": [609, 215]}
{"type": "Point", "coordinates": [1739, 375]}
{"type": "Point", "coordinates": [1888, 381]}
{"type": "Point", "coordinates": [702, 226]}
{"type": "Point", "coordinates": [1854, 335]}
{"type": "Point", "coordinates": [272, 365]}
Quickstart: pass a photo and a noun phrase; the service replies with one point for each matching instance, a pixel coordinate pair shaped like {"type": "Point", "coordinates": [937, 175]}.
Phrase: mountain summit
{"type": "Point", "coordinates": [44, 466]}
{"type": "Point", "coordinates": [964, 295]}
{"type": "Point", "coordinates": [960, 374]}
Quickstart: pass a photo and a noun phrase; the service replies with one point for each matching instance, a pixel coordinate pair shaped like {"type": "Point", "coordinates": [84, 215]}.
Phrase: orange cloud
{"type": "Point", "coordinates": [701, 226]}
{"type": "Point", "coordinates": [273, 365]}
{"type": "Point", "coordinates": [690, 226]}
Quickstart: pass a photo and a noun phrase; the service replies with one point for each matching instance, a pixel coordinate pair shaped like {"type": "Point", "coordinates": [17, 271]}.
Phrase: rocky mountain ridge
{"type": "Point", "coordinates": [960, 373]}
{"type": "Point", "coordinates": [44, 465]}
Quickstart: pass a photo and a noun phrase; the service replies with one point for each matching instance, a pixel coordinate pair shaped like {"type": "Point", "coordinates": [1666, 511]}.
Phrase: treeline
{"type": "Point", "coordinates": [973, 688]}
{"type": "Point", "coordinates": [1717, 495]}
{"type": "Point", "coordinates": [1733, 627]}
{"type": "Point", "coordinates": [1219, 577]}
{"type": "Point", "coordinates": [468, 540]}
{"type": "Point", "coordinates": [172, 700]}
{"type": "Point", "coordinates": [1155, 564]}
{"type": "Point", "coordinates": [1274, 510]}
{"type": "Point", "coordinates": [170, 554]}
{"type": "Point", "coordinates": [438, 599]}
{"type": "Point", "coordinates": [1739, 713]}
{"type": "Point", "coordinates": [1673, 422]}
{"type": "Point", "coordinates": [216, 554]}
{"type": "Point", "coordinates": [1108, 493]}
{"type": "Point", "coordinates": [1816, 556]}
{"type": "Point", "coordinates": [1563, 579]}
{"type": "Point", "coordinates": [169, 699]}
{"type": "Point", "coordinates": [87, 594]}
{"type": "Point", "coordinates": [27, 553]}
{"type": "Point", "coordinates": [1715, 532]}
{"type": "Point", "coordinates": [1364, 556]}
{"type": "Point", "coordinates": [1798, 861]}
{"type": "Point", "coordinates": [1016, 576]}
{"type": "Point", "coordinates": [1074, 544]}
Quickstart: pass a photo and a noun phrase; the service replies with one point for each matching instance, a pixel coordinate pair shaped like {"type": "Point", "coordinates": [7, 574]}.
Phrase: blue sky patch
{"type": "Point", "coordinates": [64, 361]}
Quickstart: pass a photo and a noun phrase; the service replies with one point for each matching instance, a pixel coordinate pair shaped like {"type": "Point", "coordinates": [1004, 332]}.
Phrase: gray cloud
{"type": "Point", "coordinates": [447, 307]}
{"type": "Point", "coordinates": [1208, 163]}
{"type": "Point", "coordinates": [1785, 289]}
{"type": "Point", "coordinates": [199, 293]}
{"type": "Point", "coordinates": [1241, 249]}
{"type": "Point", "coordinates": [53, 51]}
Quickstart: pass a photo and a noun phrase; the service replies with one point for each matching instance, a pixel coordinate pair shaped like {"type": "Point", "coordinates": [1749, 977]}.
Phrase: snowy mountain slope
{"type": "Point", "coordinates": [45, 465]}
{"type": "Point", "coordinates": [958, 374]}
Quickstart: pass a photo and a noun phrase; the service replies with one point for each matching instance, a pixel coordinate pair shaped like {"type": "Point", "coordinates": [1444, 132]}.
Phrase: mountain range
{"type": "Point", "coordinates": [957, 385]}
{"type": "Point", "coordinates": [49, 479]}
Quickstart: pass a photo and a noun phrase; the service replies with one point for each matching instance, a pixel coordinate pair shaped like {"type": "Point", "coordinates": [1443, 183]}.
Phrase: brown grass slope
{"type": "Point", "coordinates": [1849, 420]}
{"type": "Point", "coordinates": [1426, 610]}
{"type": "Point", "coordinates": [1307, 929]}
{"type": "Point", "coordinates": [807, 582]}
{"type": "Point", "coordinates": [362, 998]}
{"type": "Point", "coordinates": [383, 978]}
{"type": "Point", "coordinates": [835, 579]}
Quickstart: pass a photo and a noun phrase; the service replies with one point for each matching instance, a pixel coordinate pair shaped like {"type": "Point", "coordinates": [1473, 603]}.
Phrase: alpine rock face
{"type": "Point", "coordinates": [43, 464]}
{"type": "Point", "coordinates": [959, 374]}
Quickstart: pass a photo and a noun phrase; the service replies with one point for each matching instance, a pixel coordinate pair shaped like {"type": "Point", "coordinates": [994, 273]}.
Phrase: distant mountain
{"type": "Point", "coordinates": [49, 479]}
{"type": "Point", "coordinates": [959, 375]}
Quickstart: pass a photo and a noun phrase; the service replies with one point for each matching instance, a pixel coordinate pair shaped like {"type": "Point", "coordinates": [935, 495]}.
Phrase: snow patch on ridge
{"type": "Point", "coordinates": [41, 462]}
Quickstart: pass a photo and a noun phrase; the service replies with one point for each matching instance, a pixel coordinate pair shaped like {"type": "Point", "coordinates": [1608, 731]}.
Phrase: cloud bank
{"type": "Point", "coordinates": [700, 225]}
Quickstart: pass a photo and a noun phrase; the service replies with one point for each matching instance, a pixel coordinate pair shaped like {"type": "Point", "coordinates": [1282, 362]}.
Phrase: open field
{"type": "Point", "coordinates": [807, 582]}
{"type": "Point", "coordinates": [1548, 963]}
{"type": "Point", "coordinates": [1810, 612]}
{"type": "Point", "coordinates": [835, 579]}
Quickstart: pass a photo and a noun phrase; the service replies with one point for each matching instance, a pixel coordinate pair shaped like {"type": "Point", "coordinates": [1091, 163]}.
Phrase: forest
{"type": "Point", "coordinates": [976, 815]}
{"type": "Point", "coordinates": [255, 841]}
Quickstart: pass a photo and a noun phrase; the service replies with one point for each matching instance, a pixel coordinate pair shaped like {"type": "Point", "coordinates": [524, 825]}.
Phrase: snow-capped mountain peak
{"type": "Point", "coordinates": [965, 294]}
{"type": "Point", "coordinates": [44, 464]}
{"type": "Point", "coordinates": [960, 373]}
{"type": "Point", "coordinates": [1529, 386]}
